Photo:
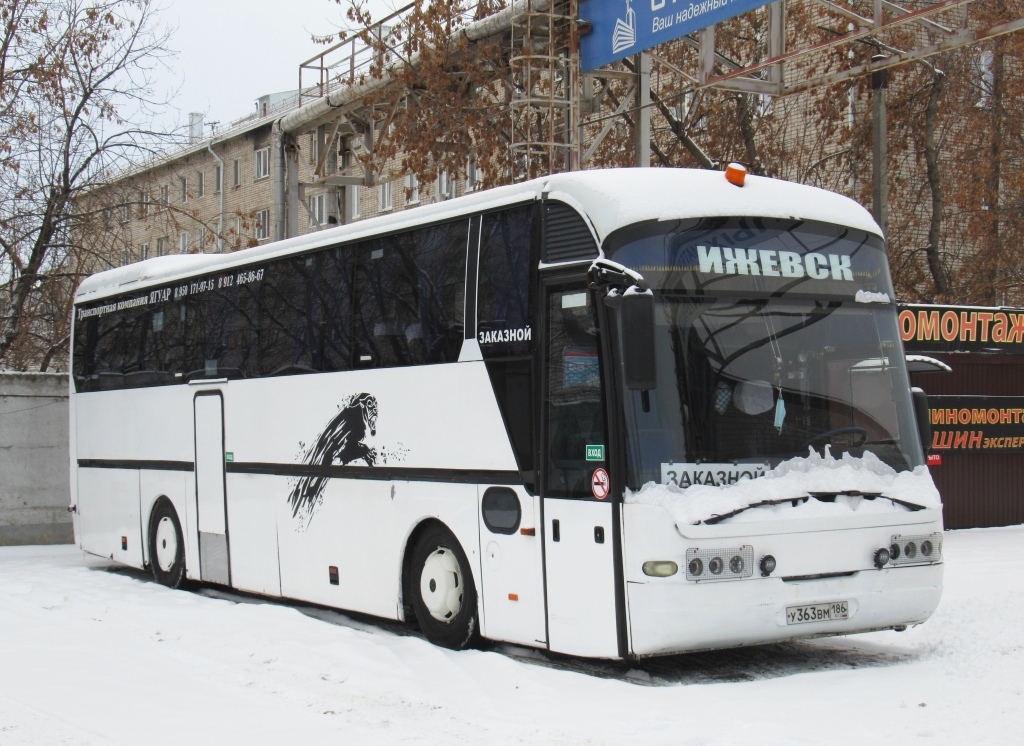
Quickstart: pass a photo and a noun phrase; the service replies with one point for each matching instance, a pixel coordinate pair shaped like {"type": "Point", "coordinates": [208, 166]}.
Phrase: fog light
{"type": "Point", "coordinates": [660, 568]}
{"type": "Point", "coordinates": [926, 548]}
{"type": "Point", "coordinates": [715, 565]}
{"type": "Point", "coordinates": [881, 558]}
{"type": "Point", "coordinates": [910, 550]}
{"type": "Point", "coordinates": [767, 565]}
{"type": "Point", "coordinates": [894, 552]}
{"type": "Point", "coordinates": [696, 567]}
{"type": "Point", "coordinates": [736, 565]}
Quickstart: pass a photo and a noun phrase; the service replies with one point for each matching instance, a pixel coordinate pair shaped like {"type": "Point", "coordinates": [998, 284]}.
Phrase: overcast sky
{"type": "Point", "coordinates": [230, 52]}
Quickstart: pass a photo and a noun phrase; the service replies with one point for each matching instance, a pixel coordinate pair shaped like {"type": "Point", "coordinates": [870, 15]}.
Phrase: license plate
{"type": "Point", "coordinates": [818, 612]}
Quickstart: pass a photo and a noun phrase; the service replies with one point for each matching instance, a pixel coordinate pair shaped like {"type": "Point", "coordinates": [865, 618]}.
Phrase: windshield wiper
{"type": "Point", "coordinates": [823, 496]}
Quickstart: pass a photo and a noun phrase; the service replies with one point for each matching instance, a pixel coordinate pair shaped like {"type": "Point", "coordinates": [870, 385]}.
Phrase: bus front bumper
{"type": "Point", "coordinates": [672, 617]}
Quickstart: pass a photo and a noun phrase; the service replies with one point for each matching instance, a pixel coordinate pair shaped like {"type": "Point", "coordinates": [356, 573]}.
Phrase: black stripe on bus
{"type": "Point", "coordinates": [379, 473]}
{"type": "Point", "coordinates": [109, 463]}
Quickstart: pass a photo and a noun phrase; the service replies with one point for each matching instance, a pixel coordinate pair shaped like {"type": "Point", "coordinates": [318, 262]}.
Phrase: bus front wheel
{"type": "Point", "coordinates": [166, 545]}
{"type": "Point", "coordinates": [442, 590]}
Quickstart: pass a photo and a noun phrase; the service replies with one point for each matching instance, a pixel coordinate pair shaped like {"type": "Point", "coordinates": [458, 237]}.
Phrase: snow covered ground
{"type": "Point", "coordinates": [95, 654]}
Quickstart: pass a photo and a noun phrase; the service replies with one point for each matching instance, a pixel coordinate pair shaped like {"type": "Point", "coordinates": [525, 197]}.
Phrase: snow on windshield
{"type": "Point", "coordinates": [793, 479]}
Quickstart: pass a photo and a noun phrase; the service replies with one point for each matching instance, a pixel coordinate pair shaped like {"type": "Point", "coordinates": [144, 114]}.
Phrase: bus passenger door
{"type": "Point", "coordinates": [210, 492]}
{"type": "Point", "coordinates": [579, 516]}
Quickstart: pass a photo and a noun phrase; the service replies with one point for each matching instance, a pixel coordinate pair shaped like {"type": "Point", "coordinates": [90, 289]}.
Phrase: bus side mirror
{"type": "Point", "coordinates": [924, 422]}
{"type": "Point", "coordinates": [638, 340]}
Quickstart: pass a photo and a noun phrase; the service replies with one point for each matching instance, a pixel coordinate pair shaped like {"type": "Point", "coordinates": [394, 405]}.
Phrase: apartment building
{"type": "Point", "coordinates": [217, 193]}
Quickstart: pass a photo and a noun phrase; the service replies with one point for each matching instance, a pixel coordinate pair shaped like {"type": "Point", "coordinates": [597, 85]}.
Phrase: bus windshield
{"type": "Point", "coordinates": [761, 371]}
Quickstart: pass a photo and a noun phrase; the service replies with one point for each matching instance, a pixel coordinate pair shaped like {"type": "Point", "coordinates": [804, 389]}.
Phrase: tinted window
{"type": "Point", "coordinates": [503, 302]}
{"type": "Point", "coordinates": [410, 294]}
{"type": "Point", "coordinates": [221, 332]}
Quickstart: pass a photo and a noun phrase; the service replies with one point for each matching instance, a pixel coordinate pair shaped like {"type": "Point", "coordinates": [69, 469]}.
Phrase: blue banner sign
{"type": "Point", "coordinates": [624, 27]}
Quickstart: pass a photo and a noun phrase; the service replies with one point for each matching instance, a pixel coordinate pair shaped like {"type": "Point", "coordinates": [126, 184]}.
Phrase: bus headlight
{"type": "Point", "coordinates": [725, 563]}
{"type": "Point", "coordinates": [923, 549]}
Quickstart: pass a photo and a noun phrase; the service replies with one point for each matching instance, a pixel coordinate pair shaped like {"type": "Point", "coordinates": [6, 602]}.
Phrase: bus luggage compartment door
{"type": "Point", "coordinates": [210, 491]}
{"type": "Point", "coordinates": [580, 570]}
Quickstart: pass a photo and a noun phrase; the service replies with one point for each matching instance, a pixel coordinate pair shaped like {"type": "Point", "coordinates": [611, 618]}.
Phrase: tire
{"type": "Point", "coordinates": [166, 545]}
{"type": "Point", "coordinates": [442, 590]}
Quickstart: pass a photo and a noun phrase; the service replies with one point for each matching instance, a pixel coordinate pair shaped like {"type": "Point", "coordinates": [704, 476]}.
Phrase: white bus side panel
{"type": "Point", "coordinates": [108, 509]}
{"type": "Point", "coordinates": [512, 595]}
{"type": "Point", "coordinates": [253, 506]}
{"type": "Point", "coordinates": [439, 420]}
{"type": "Point", "coordinates": [150, 424]}
{"type": "Point", "coordinates": [430, 416]}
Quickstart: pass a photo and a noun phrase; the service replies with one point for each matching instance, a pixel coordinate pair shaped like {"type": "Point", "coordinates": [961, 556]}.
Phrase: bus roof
{"type": "Point", "coordinates": [609, 198]}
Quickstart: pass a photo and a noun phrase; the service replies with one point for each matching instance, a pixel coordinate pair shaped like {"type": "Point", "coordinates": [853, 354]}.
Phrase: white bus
{"type": "Point", "coordinates": [610, 414]}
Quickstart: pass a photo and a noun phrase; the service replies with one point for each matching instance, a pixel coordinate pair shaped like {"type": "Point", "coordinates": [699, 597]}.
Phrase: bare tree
{"type": "Point", "coordinates": [75, 97]}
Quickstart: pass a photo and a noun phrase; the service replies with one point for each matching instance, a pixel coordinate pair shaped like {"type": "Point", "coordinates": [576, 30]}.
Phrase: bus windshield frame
{"type": "Point", "coordinates": [801, 352]}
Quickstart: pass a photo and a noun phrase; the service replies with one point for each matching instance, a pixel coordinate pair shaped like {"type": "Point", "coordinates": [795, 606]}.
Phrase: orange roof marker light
{"type": "Point", "coordinates": [736, 173]}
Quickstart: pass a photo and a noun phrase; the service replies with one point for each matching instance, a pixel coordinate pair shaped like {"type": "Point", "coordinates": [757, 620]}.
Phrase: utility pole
{"type": "Point", "coordinates": [880, 150]}
{"type": "Point", "coordinates": [643, 110]}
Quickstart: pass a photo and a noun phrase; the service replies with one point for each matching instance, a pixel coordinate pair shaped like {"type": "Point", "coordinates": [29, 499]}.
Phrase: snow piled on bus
{"type": "Point", "coordinates": [794, 479]}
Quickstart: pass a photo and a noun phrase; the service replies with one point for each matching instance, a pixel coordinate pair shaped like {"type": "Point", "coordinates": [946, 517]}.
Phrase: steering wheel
{"type": "Point", "coordinates": [857, 432]}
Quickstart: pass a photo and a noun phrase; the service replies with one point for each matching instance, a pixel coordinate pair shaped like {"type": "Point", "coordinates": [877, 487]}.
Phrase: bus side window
{"type": "Point", "coordinates": [410, 294]}
{"type": "Point", "coordinates": [503, 303]}
{"type": "Point", "coordinates": [222, 334]}
{"type": "Point", "coordinates": [503, 313]}
{"type": "Point", "coordinates": [574, 408]}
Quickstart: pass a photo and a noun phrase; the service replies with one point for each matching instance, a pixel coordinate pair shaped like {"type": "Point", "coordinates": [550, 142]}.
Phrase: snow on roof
{"type": "Point", "coordinates": [610, 198]}
{"type": "Point", "coordinates": [672, 193]}
{"type": "Point", "coordinates": [793, 479]}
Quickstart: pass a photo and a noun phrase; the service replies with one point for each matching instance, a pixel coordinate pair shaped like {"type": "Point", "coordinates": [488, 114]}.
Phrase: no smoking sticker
{"type": "Point", "coordinates": [600, 484]}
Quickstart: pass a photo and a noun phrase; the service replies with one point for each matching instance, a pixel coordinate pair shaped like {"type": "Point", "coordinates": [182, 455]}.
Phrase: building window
{"type": "Point", "coordinates": [236, 172]}
{"type": "Point", "coordinates": [239, 228]}
{"type": "Point", "coordinates": [354, 198]}
{"type": "Point", "coordinates": [183, 242]}
{"type": "Point", "coordinates": [200, 183]}
{"type": "Point", "coordinates": [444, 186]}
{"type": "Point", "coordinates": [263, 224]}
{"type": "Point", "coordinates": [123, 212]}
{"type": "Point", "coordinates": [262, 165]}
{"type": "Point", "coordinates": [183, 183]}
{"type": "Point", "coordinates": [161, 246]}
{"type": "Point", "coordinates": [218, 179]}
{"type": "Point", "coordinates": [218, 232]}
{"type": "Point", "coordinates": [201, 239]}
{"type": "Point", "coordinates": [318, 210]}
{"type": "Point", "coordinates": [126, 255]}
{"type": "Point", "coordinates": [412, 190]}
{"type": "Point", "coordinates": [474, 175]}
{"type": "Point", "coordinates": [165, 195]}
{"type": "Point", "coordinates": [144, 251]}
{"type": "Point", "coordinates": [144, 204]}
{"type": "Point", "coordinates": [385, 196]}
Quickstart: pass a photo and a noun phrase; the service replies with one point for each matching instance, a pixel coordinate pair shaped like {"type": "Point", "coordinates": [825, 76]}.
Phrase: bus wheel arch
{"type": "Point", "coordinates": [166, 543]}
{"type": "Point", "coordinates": [439, 589]}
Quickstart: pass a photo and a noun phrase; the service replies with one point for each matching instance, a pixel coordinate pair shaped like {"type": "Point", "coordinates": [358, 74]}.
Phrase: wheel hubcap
{"type": "Point", "coordinates": [166, 544]}
{"type": "Point", "coordinates": [441, 585]}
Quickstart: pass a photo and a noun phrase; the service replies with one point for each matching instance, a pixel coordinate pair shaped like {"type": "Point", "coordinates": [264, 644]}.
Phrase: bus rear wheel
{"type": "Point", "coordinates": [442, 590]}
{"type": "Point", "coordinates": [166, 545]}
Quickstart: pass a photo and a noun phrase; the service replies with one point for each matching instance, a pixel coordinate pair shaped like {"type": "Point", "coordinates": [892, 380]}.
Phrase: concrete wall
{"type": "Point", "coordinates": [34, 479]}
